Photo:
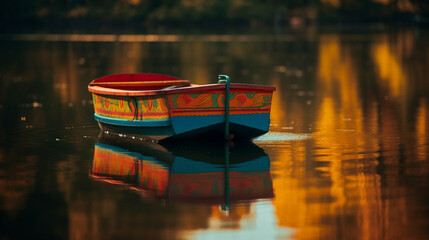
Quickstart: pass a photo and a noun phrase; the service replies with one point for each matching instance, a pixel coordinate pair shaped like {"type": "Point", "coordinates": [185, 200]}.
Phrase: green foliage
{"type": "Point", "coordinates": [201, 11]}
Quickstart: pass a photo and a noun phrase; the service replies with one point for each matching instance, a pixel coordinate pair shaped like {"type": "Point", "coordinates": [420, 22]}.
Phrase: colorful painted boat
{"type": "Point", "coordinates": [196, 173]}
{"type": "Point", "coordinates": [161, 106]}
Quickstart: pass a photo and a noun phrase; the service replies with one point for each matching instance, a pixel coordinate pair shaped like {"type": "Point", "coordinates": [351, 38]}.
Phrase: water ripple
{"type": "Point", "coordinates": [281, 136]}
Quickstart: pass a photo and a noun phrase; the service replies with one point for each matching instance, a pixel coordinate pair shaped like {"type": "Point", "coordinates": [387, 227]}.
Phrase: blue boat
{"type": "Point", "coordinates": [164, 107]}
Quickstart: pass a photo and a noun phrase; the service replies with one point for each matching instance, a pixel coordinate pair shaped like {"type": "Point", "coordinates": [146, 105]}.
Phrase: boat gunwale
{"type": "Point", "coordinates": [235, 87]}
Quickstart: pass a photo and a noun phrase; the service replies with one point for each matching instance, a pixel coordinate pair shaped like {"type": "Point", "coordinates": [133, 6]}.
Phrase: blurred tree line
{"type": "Point", "coordinates": [251, 12]}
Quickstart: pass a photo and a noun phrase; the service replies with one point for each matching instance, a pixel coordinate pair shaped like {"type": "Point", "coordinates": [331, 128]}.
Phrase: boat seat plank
{"type": "Point", "coordinates": [157, 83]}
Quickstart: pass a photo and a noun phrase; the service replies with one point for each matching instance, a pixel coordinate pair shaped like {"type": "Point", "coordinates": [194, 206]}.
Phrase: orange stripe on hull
{"type": "Point", "coordinates": [195, 112]}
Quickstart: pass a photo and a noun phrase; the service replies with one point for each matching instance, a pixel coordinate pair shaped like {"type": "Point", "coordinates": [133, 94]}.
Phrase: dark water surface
{"type": "Point", "coordinates": [347, 156]}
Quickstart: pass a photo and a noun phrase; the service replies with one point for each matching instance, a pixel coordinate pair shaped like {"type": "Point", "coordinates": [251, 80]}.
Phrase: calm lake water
{"type": "Point", "coordinates": [347, 156]}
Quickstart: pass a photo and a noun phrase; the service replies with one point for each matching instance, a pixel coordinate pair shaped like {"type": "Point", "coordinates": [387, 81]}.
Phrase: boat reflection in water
{"type": "Point", "coordinates": [191, 172]}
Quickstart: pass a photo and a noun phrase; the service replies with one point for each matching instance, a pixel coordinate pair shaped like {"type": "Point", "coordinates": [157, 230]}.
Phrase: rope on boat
{"type": "Point", "coordinates": [133, 102]}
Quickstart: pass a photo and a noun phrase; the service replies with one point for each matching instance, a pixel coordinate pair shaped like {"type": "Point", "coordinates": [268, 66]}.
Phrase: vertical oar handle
{"type": "Point", "coordinates": [225, 80]}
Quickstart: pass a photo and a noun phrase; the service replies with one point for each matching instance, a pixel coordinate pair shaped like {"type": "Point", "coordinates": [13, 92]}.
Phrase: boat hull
{"type": "Point", "coordinates": [187, 111]}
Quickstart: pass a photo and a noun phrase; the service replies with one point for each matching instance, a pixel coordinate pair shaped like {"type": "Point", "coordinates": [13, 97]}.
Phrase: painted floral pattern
{"type": "Point", "coordinates": [131, 108]}
{"type": "Point", "coordinates": [214, 103]}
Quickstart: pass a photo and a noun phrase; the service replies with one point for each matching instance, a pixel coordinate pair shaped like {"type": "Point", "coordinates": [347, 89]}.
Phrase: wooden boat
{"type": "Point", "coordinates": [165, 107]}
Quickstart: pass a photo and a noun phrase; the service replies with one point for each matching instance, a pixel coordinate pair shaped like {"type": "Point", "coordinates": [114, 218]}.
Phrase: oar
{"type": "Point", "coordinates": [155, 83]}
{"type": "Point", "coordinates": [225, 79]}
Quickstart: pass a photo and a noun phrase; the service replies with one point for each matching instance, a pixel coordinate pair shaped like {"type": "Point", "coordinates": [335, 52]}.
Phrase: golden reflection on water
{"type": "Point", "coordinates": [278, 113]}
{"type": "Point", "coordinates": [422, 131]}
{"type": "Point", "coordinates": [332, 187]}
{"type": "Point", "coordinates": [127, 58]}
{"type": "Point", "coordinates": [195, 55]}
{"type": "Point", "coordinates": [389, 69]}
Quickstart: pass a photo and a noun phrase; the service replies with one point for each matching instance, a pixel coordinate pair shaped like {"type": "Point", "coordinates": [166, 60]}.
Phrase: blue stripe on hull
{"type": "Point", "coordinates": [183, 124]}
{"type": "Point", "coordinates": [246, 125]}
{"type": "Point", "coordinates": [242, 125]}
{"type": "Point", "coordinates": [259, 121]}
{"type": "Point", "coordinates": [132, 123]}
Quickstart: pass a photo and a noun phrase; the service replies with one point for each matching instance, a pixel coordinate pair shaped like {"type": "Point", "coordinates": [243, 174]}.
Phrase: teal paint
{"type": "Point", "coordinates": [132, 123]}
{"type": "Point", "coordinates": [225, 79]}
